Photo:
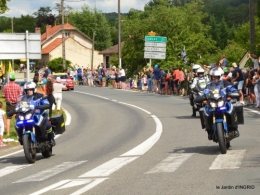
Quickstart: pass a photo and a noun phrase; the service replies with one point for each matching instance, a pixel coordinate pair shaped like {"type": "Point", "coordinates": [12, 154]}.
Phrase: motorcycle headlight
{"type": "Point", "coordinates": [21, 118]}
{"type": "Point", "coordinates": [220, 103]}
{"type": "Point", "coordinates": [28, 116]}
{"type": "Point", "coordinates": [213, 104]}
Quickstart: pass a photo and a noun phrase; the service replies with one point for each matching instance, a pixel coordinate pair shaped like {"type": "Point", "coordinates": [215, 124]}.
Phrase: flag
{"type": "Point", "coordinates": [183, 55]}
{"type": "Point", "coordinates": [10, 67]}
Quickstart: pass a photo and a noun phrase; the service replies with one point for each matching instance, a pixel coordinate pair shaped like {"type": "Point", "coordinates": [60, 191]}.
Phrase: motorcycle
{"type": "Point", "coordinates": [221, 115]}
{"type": "Point", "coordinates": [198, 95]}
{"type": "Point", "coordinates": [32, 127]}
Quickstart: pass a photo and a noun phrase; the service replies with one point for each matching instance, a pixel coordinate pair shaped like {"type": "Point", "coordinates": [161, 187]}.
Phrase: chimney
{"type": "Point", "coordinates": [48, 30]}
{"type": "Point", "coordinates": [37, 30]}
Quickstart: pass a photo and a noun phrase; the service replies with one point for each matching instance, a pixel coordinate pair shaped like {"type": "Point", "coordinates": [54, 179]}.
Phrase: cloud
{"type": "Point", "coordinates": [25, 7]}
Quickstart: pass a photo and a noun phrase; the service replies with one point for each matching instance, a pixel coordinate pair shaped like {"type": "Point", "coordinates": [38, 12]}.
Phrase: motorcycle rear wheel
{"type": "Point", "coordinates": [29, 149]}
{"type": "Point", "coordinates": [47, 153]}
{"type": "Point", "coordinates": [221, 139]}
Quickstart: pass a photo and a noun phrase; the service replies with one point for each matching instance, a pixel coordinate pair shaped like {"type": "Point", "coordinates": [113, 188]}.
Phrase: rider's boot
{"type": "Point", "coordinates": [210, 134]}
{"type": "Point", "coordinates": [193, 112]}
{"type": "Point", "coordinates": [236, 133]}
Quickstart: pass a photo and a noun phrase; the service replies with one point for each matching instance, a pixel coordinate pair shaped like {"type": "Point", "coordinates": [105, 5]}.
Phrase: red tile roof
{"type": "Point", "coordinates": [52, 46]}
{"type": "Point", "coordinates": [54, 29]}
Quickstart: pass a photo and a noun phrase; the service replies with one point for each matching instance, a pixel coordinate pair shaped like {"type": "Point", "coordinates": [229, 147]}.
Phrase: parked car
{"type": "Point", "coordinates": [65, 79]}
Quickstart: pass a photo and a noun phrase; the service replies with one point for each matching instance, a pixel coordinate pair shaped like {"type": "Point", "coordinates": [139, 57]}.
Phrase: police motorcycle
{"type": "Point", "coordinates": [221, 115]}
{"type": "Point", "coordinates": [31, 126]}
{"type": "Point", "coordinates": [197, 87]}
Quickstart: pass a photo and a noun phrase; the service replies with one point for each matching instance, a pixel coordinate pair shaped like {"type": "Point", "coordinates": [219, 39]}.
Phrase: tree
{"type": "Point", "coordinates": [24, 23]}
{"type": "Point", "coordinates": [182, 25]}
{"type": "Point", "coordinates": [89, 22]}
{"type": "Point", "coordinates": [67, 11]}
{"type": "Point", "coordinates": [55, 65]}
{"type": "Point", "coordinates": [44, 17]}
{"type": "Point", "coordinates": [3, 6]}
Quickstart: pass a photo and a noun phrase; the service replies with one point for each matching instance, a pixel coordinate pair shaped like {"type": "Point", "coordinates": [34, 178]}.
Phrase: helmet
{"type": "Point", "coordinates": [216, 73]}
{"type": "Point", "coordinates": [225, 69]}
{"type": "Point", "coordinates": [196, 66]}
{"type": "Point", "coordinates": [200, 70]}
{"type": "Point", "coordinates": [156, 66]}
{"type": "Point", "coordinates": [29, 85]}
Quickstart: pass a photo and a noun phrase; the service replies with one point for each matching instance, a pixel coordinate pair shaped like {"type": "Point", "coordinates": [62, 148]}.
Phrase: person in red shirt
{"type": "Point", "coordinates": [11, 92]}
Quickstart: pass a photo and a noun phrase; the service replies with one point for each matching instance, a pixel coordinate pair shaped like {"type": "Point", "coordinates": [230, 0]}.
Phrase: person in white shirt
{"type": "Point", "coordinates": [2, 124]}
{"type": "Point", "coordinates": [123, 78]}
{"type": "Point", "coordinates": [57, 93]}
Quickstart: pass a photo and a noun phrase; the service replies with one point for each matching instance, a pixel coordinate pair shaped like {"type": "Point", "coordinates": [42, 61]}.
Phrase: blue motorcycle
{"type": "Point", "coordinates": [32, 128]}
{"type": "Point", "coordinates": [221, 115]}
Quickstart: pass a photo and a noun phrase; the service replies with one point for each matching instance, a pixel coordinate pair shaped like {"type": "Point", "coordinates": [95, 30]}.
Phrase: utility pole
{"type": "Point", "coordinates": [252, 25]}
{"type": "Point", "coordinates": [92, 54]}
{"type": "Point", "coordinates": [12, 25]}
{"type": "Point", "coordinates": [63, 37]}
{"type": "Point", "coordinates": [119, 35]}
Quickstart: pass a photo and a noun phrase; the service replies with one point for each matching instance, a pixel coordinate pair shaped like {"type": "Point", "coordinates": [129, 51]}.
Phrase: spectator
{"type": "Point", "coordinates": [57, 93]}
{"type": "Point", "coordinates": [254, 60]}
{"type": "Point", "coordinates": [49, 93]}
{"type": "Point", "coordinates": [256, 82]}
{"type": "Point", "coordinates": [123, 78]}
{"type": "Point", "coordinates": [181, 81]}
{"type": "Point", "coordinates": [104, 78]}
{"type": "Point", "coordinates": [11, 93]}
{"type": "Point", "coordinates": [224, 61]}
{"type": "Point", "coordinates": [89, 77]}
{"type": "Point", "coordinates": [156, 74]}
{"type": "Point", "coordinates": [80, 74]}
{"type": "Point", "coordinates": [238, 76]}
{"type": "Point", "coordinates": [2, 124]}
{"type": "Point", "coordinates": [113, 76]}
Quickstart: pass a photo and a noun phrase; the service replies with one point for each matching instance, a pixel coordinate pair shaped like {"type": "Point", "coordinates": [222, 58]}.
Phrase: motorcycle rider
{"type": "Point", "coordinates": [217, 83]}
{"type": "Point", "coordinates": [201, 79]}
{"type": "Point", "coordinates": [30, 91]}
{"type": "Point", "coordinates": [195, 67]}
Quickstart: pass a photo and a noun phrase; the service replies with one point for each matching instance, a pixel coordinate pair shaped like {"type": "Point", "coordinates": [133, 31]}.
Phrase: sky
{"type": "Point", "coordinates": [24, 7]}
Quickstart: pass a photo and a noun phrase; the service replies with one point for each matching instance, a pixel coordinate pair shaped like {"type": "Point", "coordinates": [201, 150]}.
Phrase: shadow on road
{"type": "Point", "coordinates": [207, 150]}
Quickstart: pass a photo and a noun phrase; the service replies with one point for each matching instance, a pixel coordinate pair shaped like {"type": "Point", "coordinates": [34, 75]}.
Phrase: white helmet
{"type": "Point", "coordinates": [196, 66]}
{"type": "Point", "coordinates": [216, 73]}
{"type": "Point", "coordinates": [29, 85]}
{"type": "Point", "coordinates": [200, 70]}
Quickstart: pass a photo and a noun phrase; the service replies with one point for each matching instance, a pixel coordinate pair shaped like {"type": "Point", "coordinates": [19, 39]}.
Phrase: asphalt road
{"type": "Point", "coordinates": [123, 142]}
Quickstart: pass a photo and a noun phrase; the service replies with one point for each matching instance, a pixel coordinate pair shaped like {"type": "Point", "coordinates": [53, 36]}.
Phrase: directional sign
{"type": "Point", "coordinates": [158, 49]}
{"type": "Point", "coordinates": [156, 39]}
{"type": "Point", "coordinates": [154, 55]}
{"type": "Point", "coordinates": [151, 44]}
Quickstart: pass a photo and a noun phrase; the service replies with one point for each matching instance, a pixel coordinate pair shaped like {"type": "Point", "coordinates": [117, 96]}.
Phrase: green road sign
{"type": "Point", "coordinates": [157, 39]}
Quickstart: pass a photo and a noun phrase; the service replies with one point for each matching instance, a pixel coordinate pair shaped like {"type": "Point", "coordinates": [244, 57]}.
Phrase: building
{"type": "Point", "coordinates": [78, 46]}
{"type": "Point", "coordinates": [108, 53]}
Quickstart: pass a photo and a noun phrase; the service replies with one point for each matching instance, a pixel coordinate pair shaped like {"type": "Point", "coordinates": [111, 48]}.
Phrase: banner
{"type": "Point", "coordinates": [10, 67]}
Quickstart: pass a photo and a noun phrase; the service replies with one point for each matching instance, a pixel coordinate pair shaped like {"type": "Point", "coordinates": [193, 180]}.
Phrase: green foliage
{"type": "Point", "coordinates": [55, 65]}
{"type": "Point", "coordinates": [24, 23]}
{"type": "Point", "coordinates": [182, 25]}
{"type": "Point", "coordinates": [88, 22]}
{"type": "Point", "coordinates": [3, 6]}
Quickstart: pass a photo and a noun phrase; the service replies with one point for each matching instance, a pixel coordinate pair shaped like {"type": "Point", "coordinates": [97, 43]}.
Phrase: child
{"type": "Point", "coordinates": [2, 124]}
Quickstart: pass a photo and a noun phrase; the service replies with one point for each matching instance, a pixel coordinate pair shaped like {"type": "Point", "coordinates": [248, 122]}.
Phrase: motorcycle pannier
{"type": "Point", "coordinates": [58, 124]}
{"type": "Point", "coordinates": [240, 113]}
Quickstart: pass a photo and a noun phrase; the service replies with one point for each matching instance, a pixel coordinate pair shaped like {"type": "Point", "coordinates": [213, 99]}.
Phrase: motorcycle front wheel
{"type": "Point", "coordinates": [29, 149]}
{"type": "Point", "coordinates": [221, 138]}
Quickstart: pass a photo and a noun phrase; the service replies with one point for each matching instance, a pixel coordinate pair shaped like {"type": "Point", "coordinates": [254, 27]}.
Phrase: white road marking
{"type": "Point", "coordinates": [75, 182]}
{"type": "Point", "coordinates": [109, 167]}
{"type": "Point", "coordinates": [53, 186]}
{"type": "Point", "coordinates": [68, 117]}
{"type": "Point", "coordinates": [148, 144]}
{"type": "Point", "coordinates": [231, 160]}
{"type": "Point", "coordinates": [171, 163]}
{"type": "Point", "coordinates": [11, 169]}
{"type": "Point", "coordinates": [89, 186]}
{"type": "Point", "coordinates": [51, 172]}
{"type": "Point", "coordinates": [135, 107]}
